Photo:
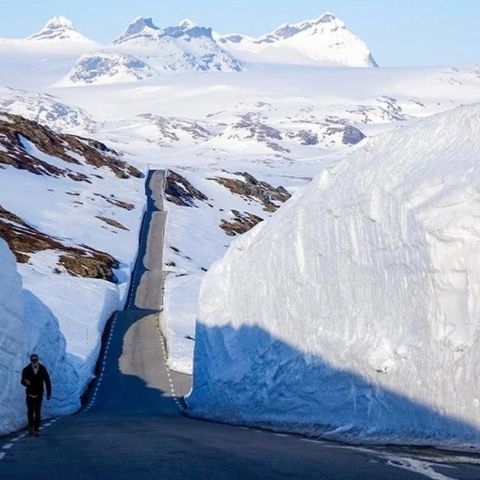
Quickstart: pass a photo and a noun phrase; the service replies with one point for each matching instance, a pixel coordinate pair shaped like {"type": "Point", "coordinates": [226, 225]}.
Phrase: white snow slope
{"type": "Point", "coordinates": [28, 326]}
{"type": "Point", "coordinates": [323, 41]}
{"type": "Point", "coordinates": [360, 316]}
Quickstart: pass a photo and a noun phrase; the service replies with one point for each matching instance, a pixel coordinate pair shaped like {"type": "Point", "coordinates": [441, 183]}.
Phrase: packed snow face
{"type": "Point", "coordinates": [353, 312]}
{"type": "Point", "coordinates": [28, 326]}
{"type": "Point", "coordinates": [324, 41]}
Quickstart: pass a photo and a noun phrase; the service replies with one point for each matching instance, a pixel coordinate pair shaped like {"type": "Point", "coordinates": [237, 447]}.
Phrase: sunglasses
{"type": "Point", "coordinates": [34, 360]}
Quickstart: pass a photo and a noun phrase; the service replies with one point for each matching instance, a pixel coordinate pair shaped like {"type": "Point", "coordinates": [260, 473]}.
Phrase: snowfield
{"type": "Point", "coordinates": [28, 326]}
{"type": "Point", "coordinates": [360, 316]}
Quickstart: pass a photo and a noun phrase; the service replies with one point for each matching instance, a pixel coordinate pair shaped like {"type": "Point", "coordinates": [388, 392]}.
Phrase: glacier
{"type": "Point", "coordinates": [354, 312]}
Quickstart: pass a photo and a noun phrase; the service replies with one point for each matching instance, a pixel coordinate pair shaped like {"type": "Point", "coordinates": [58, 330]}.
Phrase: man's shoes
{"type": "Point", "coordinates": [36, 433]}
{"type": "Point", "coordinates": [31, 431]}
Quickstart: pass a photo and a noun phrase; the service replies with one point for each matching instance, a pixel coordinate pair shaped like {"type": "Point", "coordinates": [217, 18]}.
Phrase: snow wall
{"type": "Point", "coordinates": [354, 313]}
{"type": "Point", "coordinates": [26, 326]}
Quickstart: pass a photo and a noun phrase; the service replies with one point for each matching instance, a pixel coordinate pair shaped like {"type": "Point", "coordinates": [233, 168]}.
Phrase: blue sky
{"type": "Point", "coordinates": [399, 32]}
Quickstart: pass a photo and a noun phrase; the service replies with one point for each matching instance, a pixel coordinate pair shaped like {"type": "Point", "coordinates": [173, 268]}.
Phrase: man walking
{"type": "Point", "coordinates": [33, 378]}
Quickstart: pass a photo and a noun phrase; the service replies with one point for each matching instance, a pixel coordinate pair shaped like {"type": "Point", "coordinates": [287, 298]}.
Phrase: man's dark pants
{"type": "Point", "coordinates": [34, 407]}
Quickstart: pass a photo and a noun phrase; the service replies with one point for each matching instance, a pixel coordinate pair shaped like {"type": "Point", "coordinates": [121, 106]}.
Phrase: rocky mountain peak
{"type": "Point", "coordinates": [139, 27]}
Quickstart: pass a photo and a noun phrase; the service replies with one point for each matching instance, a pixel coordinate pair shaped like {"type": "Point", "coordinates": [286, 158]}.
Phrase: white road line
{"type": "Point", "coordinates": [7, 446]}
{"type": "Point", "coordinates": [100, 377]}
{"type": "Point", "coordinates": [309, 440]}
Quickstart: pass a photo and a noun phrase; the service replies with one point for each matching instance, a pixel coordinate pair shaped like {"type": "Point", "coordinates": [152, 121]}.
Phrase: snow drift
{"type": "Point", "coordinates": [355, 311]}
{"type": "Point", "coordinates": [27, 326]}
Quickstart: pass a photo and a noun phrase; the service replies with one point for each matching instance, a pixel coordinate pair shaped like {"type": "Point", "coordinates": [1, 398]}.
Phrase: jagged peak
{"type": "Point", "coordinates": [59, 28]}
{"type": "Point", "coordinates": [59, 22]}
{"type": "Point", "coordinates": [139, 26]}
{"type": "Point", "coordinates": [189, 28]}
{"type": "Point", "coordinates": [288, 30]}
{"type": "Point", "coordinates": [187, 24]}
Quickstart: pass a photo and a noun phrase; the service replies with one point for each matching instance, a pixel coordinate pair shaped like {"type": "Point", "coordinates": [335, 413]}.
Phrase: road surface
{"type": "Point", "coordinates": [132, 426]}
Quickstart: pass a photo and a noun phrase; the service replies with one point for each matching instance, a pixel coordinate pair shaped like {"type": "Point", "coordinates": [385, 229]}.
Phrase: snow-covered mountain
{"type": "Point", "coordinates": [145, 50]}
{"type": "Point", "coordinates": [183, 47]}
{"type": "Point", "coordinates": [359, 319]}
{"type": "Point", "coordinates": [180, 48]}
{"type": "Point", "coordinates": [107, 67]}
{"type": "Point", "coordinates": [60, 29]}
{"type": "Point", "coordinates": [324, 41]}
{"type": "Point", "coordinates": [140, 28]}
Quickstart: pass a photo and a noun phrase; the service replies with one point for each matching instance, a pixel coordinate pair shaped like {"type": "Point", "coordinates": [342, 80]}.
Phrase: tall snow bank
{"type": "Point", "coordinates": [355, 311]}
{"type": "Point", "coordinates": [26, 326]}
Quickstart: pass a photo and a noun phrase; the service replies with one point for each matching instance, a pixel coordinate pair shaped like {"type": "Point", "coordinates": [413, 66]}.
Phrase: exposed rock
{"type": "Point", "coordinates": [304, 137]}
{"type": "Point", "coordinates": [180, 191]}
{"type": "Point", "coordinates": [115, 201]}
{"type": "Point", "coordinates": [252, 188]}
{"type": "Point", "coordinates": [74, 151]}
{"type": "Point", "coordinates": [111, 222]}
{"type": "Point", "coordinates": [241, 222]}
{"type": "Point", "coordinates": [170, 127]}
{"type": "Point", "coordinates": [108, 67]}
{"type": "Point", "coordinates": [82, 261]}
{"type": "Point", "coordinates": [352, 135]}
{"type": "Point", "coordinates": [250, 126]}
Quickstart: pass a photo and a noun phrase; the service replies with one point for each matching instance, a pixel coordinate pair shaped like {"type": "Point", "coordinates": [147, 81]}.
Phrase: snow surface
{"type": "Point", "coordinates": [105, 67]}
{"type": "Point", "coordinates": [144, 50]}
{"type": "Point", "coordinates": [28, 326]}
{"type": "Point", "coordinates": [324, 41]}
{"type": "Point", "coordinates": [201, 125]}
{"type": "Point", "coordinates": [359, 319]}
{"type": "Point", "coordinates": [281, 123]}
{"type": "Point", "coordinates": [60, 29]}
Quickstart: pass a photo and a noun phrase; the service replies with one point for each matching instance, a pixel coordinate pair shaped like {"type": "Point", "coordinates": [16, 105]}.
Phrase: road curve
{"type": "Point", "coordinates": [132, 426]}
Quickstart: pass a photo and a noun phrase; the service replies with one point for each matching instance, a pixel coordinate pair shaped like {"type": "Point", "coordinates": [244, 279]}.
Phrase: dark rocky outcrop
{"type": "Point", "coordinates": [252, 188]}
{"type": "Point", "coordinates": [304, 137]}
{"type": "Point", "coordinates": [180, 191]}
{"type": "Point", "coordinates": [82, 261]}
{"type": "Point", "coordinates": [111, 222]}
{"type": "Point", "coordinates": [352, 135]}
{"type": "Point", "coordinates": [241, 222]}
{"type": "Point", "coordinates": [75, 152]}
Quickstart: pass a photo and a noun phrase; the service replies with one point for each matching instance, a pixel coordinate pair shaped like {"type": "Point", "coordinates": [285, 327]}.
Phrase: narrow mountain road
{"type": "Point", "coordinates": [133, 428]}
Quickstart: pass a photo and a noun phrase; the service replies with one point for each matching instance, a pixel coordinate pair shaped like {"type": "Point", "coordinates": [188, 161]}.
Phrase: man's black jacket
{"type": "Point", "coordinates": [36, 381]}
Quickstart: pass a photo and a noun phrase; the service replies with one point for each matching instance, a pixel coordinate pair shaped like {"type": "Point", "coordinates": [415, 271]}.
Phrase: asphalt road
{"type": "Point", "coordinates": [133, 428]}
